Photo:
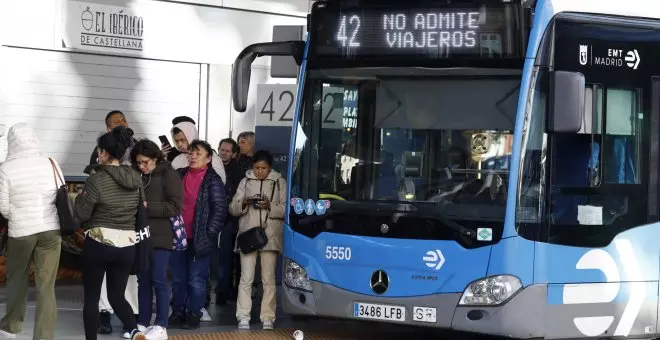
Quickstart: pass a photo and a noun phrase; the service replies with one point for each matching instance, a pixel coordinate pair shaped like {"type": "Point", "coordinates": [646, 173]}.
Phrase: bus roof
{"type": "Point", "coordinates": [545, 10]}
{"type": "Point", "coordinates": [628, 8]}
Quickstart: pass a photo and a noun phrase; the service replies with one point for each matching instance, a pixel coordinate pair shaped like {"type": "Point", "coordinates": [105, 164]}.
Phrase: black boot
{"type": "Point", "coordinates": [192, 322]}
{"type": "Point", "coordinates": [104, 322]}
{"type": "Point", "coordinates": [221, 299]}
{"type": "Point", "coordinates": [176, 321]}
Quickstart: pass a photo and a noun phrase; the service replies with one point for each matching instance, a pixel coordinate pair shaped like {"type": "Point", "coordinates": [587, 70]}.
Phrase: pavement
{"type": "Point", "coordinates": [223, 325]}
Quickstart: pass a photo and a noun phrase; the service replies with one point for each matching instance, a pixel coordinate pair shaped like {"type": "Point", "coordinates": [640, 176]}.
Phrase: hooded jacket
{"type": "Point", "coordinates": [27, 185]}
{"type": "Point", "coordinates": [110, 198]}
{"type": "Point", "coordinates": [273, 187]}
{"type": "Point", "coordinates": [181, 161]}
{"type": "Point", "coordinates": [164, 195]}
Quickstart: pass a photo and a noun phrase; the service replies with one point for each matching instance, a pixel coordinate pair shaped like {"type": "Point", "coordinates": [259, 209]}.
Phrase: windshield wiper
{"type": "Point", "coordinates": [396, 210]}
{"type": "Point", "coordinates": [434, 214]}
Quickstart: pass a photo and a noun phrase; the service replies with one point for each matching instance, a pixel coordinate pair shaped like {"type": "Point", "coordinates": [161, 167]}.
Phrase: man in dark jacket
{"type": "Point", "coordinates": [228, 150]}
{"type": "Point", "coordinates": [112, 120]}
{"type": "Point", "coordinates": [226, 288]}
{"type": "Point", "coordinates": [204, 214]}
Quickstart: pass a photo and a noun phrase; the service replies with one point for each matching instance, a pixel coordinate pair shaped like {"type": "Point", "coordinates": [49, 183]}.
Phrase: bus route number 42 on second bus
{"type": "Point", "coordinates": [276, 106]}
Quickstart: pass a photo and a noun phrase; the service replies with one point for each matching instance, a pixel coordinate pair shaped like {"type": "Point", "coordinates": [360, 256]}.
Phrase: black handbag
{"type": "Point", "coordinates": [255, 239]}
{"type": "Point", "coordinates": [252, 240]}
{"type": "Point", "coordinates": [63, 204]}
{"type": "Point", "coordinates": [143, 248]}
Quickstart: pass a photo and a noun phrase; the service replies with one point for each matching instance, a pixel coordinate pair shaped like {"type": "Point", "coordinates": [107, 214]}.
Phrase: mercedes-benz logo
{"type": "Point", "coordinates": [384, 228]}
{"type": "Point", "coordinates": [379, 282]}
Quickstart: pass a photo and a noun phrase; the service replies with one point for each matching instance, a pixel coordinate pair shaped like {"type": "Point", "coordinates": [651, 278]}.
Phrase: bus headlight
{"type": "Point", "coordinates": [492, 290]}
{"type": "Point", "coordinates": [295, 276]}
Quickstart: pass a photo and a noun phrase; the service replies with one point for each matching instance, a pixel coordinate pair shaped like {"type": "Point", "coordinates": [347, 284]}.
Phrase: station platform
{"type": "Point", "coordinates": [223, 324]}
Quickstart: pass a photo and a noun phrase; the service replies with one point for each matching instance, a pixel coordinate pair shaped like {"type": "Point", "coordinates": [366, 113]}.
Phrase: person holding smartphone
{"type": "Point", "coordinates": [260, 201]}
{"type": "Point", "coordinates": [166, 147]}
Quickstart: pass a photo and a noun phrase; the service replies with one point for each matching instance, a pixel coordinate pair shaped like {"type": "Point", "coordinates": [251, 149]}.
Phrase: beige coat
{"type": "Point", "coordinates": [250, 217]}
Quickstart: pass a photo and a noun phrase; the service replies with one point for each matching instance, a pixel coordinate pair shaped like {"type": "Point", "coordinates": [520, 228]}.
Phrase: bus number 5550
{"type": "Point", "coordinates": [338, 253]}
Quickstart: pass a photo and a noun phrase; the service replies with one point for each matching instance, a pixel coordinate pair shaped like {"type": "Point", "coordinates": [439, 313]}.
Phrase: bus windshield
{"type": "Point", "coordinates": [439, 138]}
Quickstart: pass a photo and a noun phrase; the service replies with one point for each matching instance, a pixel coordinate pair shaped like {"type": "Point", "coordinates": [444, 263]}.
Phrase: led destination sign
{"type": "Point", "coordinates": [437, 32]}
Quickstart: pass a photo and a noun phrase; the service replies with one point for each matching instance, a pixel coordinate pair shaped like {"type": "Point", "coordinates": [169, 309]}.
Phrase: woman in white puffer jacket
{"type": "Point", "coordinates": [27, 199]}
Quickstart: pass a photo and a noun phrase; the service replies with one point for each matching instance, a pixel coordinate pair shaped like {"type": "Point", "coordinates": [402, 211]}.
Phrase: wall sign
{"type": "Point", "coordinates": [274, 110]}
{"type": "Point", "coordinates": [276, 104]}
{"type": "Point", "coordinates": [97, 27]}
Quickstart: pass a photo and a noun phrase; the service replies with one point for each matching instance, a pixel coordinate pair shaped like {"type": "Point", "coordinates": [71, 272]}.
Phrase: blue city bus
{"type": "Point", "coordinates": [491, 167]}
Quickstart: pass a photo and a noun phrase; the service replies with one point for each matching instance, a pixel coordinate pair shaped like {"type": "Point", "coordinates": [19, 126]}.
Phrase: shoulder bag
{"type": "Point", "coordinates": [143, 247]}
{"type": "Point", "coordinates": [63, 204]}
{"type": "Point", "coordinates": [255, 239]}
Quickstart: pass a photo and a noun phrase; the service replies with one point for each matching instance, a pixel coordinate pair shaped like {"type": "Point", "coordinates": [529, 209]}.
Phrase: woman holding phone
{"type": "Point", "coordinates": [260, 201]}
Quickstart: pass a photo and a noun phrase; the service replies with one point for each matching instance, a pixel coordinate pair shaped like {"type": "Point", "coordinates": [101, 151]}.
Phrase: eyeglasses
{"type": "Point", "coordinates": [144, 163]}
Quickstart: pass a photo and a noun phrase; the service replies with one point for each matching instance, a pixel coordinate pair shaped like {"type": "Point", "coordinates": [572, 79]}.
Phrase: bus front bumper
{"type": "Point", "coordinates": [515, 319]}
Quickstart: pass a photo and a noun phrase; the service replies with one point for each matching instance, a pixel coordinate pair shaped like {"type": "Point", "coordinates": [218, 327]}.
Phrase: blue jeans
{"type": "Point", "coordinates": [190, 275]}
{"type": "Point", "coordinates": [225, 272]}
{"type": "Point", "coordinates": [155, 279]}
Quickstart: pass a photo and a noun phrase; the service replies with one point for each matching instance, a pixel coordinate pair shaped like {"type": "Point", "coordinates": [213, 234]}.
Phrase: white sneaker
{"type": "Point", "coordinates": [205, 316]}
{"type": "Point", "coordinates": [7, 335]}
{"type": "Point", "coordinates": [244, 324]}
{"type": "Point", "coordinates": [268, 325]}
{"type": "Point", "coordinates": [135, 336]}
{"type": "Point", "coordinates": [142, 329]}
{"type": "Point", "coordinates": [156, 333]}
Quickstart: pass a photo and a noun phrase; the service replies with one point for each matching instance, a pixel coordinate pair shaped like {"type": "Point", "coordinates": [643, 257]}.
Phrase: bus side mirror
{"type": "Point", "coordinates": [566, 102]}
{"type": "Point", "coordinates": [240, 78]}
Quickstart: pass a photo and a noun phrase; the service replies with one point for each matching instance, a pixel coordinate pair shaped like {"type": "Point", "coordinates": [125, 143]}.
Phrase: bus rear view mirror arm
{"type": "Point", "coordinates": [567, 96]}
{"type": "Point", "coordinates": [240, 80]}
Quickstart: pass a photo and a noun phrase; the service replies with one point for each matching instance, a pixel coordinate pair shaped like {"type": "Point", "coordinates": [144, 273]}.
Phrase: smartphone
{"type": "Point", "coordinates": [255, 200]}
{"type": "Point", "coordinates": [164, 141]}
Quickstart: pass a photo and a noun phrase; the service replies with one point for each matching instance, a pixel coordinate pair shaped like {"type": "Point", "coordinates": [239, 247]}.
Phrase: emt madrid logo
{"type": "Point", "coordinates": [110, 27]}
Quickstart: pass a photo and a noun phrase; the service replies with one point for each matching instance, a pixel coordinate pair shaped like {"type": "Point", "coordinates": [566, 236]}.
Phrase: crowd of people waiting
{"type": "Point", "coordinates": [197, 202]}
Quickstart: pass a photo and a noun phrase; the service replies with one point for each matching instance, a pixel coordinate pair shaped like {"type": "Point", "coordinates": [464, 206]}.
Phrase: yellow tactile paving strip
{"type": "Point", "coordinates": [283, 334]}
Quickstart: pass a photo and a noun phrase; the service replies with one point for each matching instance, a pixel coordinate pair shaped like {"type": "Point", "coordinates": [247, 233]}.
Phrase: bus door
{"type": "Point", "coordinates": [599, 253]}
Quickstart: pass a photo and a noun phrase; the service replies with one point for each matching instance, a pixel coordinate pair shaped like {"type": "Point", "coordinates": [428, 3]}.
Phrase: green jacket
{"type": "Point", "coordinates": [110, 198]}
